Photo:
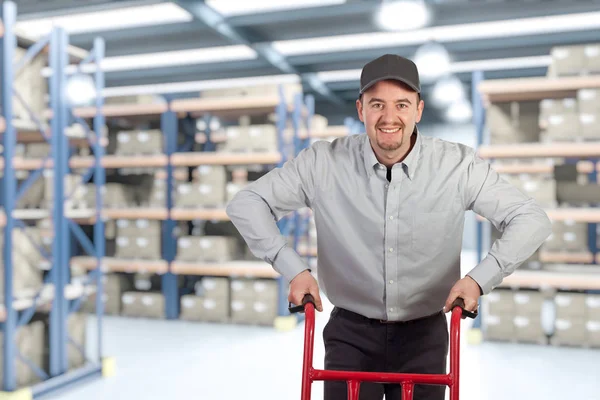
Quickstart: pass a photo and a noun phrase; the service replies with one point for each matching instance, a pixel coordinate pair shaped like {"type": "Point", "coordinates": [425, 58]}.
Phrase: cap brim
{"type": "Point", "coordinates": [390, 77]}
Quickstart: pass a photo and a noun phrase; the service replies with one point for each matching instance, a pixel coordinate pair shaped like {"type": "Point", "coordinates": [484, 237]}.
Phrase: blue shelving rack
{"type": "Point", "coordinates": [58, 276]}
{"type": "Point", "coordinates": [169, 127]}
{"type": "Point", "coordinates": [475, 335]}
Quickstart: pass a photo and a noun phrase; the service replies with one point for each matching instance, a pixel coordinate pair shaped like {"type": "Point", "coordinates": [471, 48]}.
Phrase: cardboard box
{"type": "Point", "coordinates": [290, 90]}
{"type": "Point", "coordinates": [568, 60]}
{"type": "Point", "coordinates": [569, 331]}
{"type": "Point", "coordinates": [29, 340]}
{"type": "Point", "coordinates": [570, 236]}
{"type": "Point", "coordinates": [206, 248]}
{"type": "Point", "coordinates": [528, 303]}
{"type": "Point", "coordinates": [138, 227]}
{"type": "Point", "coordinates": [142, 247]}
{"type": "Point", "coordinates": [592, 302]}
{"type": "Point", "coordinates": [145, 305]}
{"type": "Point", "coordinates": [588, 101]}
{"type": "Point", "coordinates": [212, 287]}
{"type": "Point", "coordinates": [254, 312]}
{"type": "Point", "coordinates": [543, 191]}
{"type": "Point", "coordinates": [552, 107]}
{"type": "Point", "coordinates": [529, 329]}
{"type": "Point", "coordinates": [209, 309]}
{"type": "Point", "coordinates": [210, 175]}
{"type": "Point", "coordinates": [593, 333]}
{"type": "Point", "coordinates": [563, 127]}
{"type": "Point", "coordinates": [591, 59]}
{"type": "Point", "coordinates": [590, 125]}
{"type": "Point", "coordinates": [514, 122]}
{"type": "Point", "coordinates": [570, 305]}
{"type": "Point", "coordinates": [498, 327]}
{"type": "Point", "coordinates": [499, 301]}
{"type": "Point", "coordinates": [139, 142]}
{"type": "Point", "coordinates": [258, 289]}
{"type": "Point", "coordinates": [199, 195]}
{"type": "Point", "coordinates": [111, 303]}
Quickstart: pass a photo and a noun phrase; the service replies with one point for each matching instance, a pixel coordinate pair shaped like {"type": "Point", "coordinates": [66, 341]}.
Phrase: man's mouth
{"type": "Point", "coordinates": [390, 130]}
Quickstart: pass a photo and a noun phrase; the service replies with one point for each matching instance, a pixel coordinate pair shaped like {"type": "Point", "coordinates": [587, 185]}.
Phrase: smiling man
{"type": "Point", "coordinates": [389, 211]}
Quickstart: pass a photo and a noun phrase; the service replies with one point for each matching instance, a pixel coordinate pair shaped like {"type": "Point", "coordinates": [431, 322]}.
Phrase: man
{"type": "Point", "coordinates": [389, 211]}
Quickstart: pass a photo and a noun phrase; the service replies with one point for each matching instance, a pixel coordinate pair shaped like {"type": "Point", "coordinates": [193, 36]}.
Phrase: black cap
{"type": "Point", "coordinates": [390, 66]}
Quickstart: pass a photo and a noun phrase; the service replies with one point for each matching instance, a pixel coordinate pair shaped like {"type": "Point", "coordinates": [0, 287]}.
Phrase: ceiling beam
{"type": "Point", "coordinates": [217, 22]}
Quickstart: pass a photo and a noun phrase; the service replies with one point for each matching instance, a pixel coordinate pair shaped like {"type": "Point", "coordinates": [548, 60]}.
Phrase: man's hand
{"type": "Point", "coordinates": [304, 283]}
{"type": "Point", "coordinates": [468, 290]}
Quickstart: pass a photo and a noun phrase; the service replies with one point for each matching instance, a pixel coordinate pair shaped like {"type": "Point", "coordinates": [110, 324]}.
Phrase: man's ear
{"type": "Point", "coordinates": [359, 110]}
{"type": "Point", "coordinates": [420, 108]}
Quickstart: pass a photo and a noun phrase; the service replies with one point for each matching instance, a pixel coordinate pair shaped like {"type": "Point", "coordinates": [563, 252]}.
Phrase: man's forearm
{"type": "Point", "coordinates": [256, 222]}
{"type": "Point", "coordinates": [524, 233]}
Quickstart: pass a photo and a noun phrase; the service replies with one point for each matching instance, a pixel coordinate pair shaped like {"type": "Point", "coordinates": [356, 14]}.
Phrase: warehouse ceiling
{"type": "Point", "coordinates": [277, 42]}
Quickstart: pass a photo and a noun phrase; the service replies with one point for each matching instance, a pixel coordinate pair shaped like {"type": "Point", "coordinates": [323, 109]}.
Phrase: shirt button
{"type": "Point", "coordinates": [392, 217]}
{"type": "Point", "coordinates": [391, 281]}
{"type": "Point", "coordinates": [391, 249]}
{"type": "Point", "coordinates": [392, 309]}
{"type": "Point", "coordinates": [387, 186]}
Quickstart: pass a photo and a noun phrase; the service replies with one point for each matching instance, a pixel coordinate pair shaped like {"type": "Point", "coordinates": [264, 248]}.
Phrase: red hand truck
{"type": "Point", "coordinates": [354, 379]}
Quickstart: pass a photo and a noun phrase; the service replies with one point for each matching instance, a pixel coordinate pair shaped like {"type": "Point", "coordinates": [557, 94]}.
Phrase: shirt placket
{"type": "Point", "coordinates": [391, 241]}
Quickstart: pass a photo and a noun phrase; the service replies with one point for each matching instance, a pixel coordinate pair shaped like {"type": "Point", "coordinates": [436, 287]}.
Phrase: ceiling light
{"type": "Point", "coordinates": [80, 90]}
{"type": "Point", "coordinates": [230, 8]}
{"type": "Point", "coordinates": [433, 61]}
{"type": "Point", "coordinates": [459, 112]}
{"type": "Point", "coordinates": [498, 64]}
{"type": "Point", "coordinates": [442, 34]}
{"type": "Point", "coordinates": [447, 91]}
{"type": "Point", "coordinates": [167, 59]}
{"type": "Point", "coordinates": [403, 15]}
{"type": "Point", "coordinates": [113, 19]}
{"type": "Point", "coordinates": [197, 86]}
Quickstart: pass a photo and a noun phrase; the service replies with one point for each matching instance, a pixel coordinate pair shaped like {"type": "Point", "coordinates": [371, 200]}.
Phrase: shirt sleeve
{"type": "Point", "coordinates": [523, 223]}
{"type": "Point", "coordinates": [256, 209]}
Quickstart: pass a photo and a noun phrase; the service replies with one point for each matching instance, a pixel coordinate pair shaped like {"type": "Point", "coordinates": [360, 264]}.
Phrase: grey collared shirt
{"type": "Point", "coordinates": [389, 250]}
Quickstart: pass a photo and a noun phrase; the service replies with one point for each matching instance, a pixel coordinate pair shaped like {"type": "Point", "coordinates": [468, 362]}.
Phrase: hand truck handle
{"type": "Point", "coordinates": [308, 298]}
{"type": "Point", "coordinates": [460, 302]}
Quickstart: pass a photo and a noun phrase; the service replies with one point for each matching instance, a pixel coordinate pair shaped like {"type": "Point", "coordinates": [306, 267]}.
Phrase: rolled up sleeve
{"type": "Point", "coordinates": [523, 224]}
{"type": "Point", "coordinates": [256, 209]}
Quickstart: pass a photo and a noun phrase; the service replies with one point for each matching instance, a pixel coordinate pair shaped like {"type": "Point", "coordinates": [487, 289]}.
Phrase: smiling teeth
{"type": "Point", "coordinates": [390, 130]}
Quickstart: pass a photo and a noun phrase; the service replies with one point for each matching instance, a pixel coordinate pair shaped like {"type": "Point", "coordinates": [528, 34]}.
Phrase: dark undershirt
{"type": "Point", "coordinates": [389, 174]}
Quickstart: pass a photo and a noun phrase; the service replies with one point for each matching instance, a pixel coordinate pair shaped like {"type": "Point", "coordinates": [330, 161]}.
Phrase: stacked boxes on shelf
{"type": "Point", "coordinates": [514, 316]}
{"type": "Point", "coordinates": [217, 249]}
{"type": "Point", "coordinates": [30, 84]}
{"type": "Point", "coordinates": [209, 303]}
{"type": "Point", "coordinates": [27, 261]}
{"type": "Point", "coordinates": [575, 60]}
{"type": "Point", "coordinates": [577, 319]}
{"type": "Point", "coordinates": [254, 301]}
{"type": "Point", "coordinates": [29, 341]}
{"type": "Point", "coordinates": [143, 304]}
{"type": "Point", "coordinates": [114, 285]}
{"type": "Point", "coordinates": [207, 189]}
{"type": "Point", "coordinates": [138, 239]}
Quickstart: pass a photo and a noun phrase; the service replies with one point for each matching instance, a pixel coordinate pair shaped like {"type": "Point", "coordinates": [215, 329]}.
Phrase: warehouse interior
{"type": "Point", "coordinates": [128, 125]}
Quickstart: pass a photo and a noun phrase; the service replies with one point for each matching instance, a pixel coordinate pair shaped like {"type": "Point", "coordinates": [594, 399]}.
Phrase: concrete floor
{"type": "Point", "coordinates": [166, 359]}
{"type": "Point", "coordinates": [176, 359]}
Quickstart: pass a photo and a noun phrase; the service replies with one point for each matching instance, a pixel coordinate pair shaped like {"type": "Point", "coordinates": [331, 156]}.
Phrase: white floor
{"type": "Point", "coordinates": [176, 359]}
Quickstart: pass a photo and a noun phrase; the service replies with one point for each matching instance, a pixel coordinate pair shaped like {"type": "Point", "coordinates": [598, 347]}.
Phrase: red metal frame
{"type": "Point", "coordinates": [354, 379]}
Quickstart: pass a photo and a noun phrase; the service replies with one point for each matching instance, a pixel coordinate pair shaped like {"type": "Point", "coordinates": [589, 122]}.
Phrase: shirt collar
{"type": "Point", "coordinates": [410, 161]}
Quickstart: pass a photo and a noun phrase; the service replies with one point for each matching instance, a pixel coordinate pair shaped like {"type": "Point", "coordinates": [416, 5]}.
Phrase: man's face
{"type": "Point", "coordinates": [390, 111]}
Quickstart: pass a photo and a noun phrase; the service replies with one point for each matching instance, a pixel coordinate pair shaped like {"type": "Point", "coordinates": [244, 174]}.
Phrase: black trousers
{"type": "Point", "coordinates": [356, 343]}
